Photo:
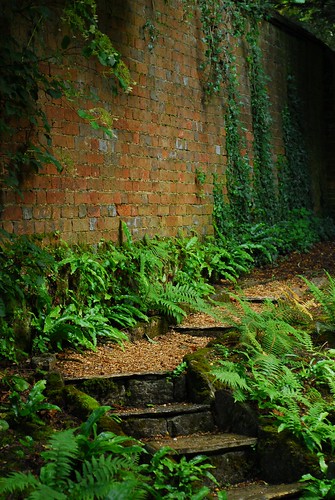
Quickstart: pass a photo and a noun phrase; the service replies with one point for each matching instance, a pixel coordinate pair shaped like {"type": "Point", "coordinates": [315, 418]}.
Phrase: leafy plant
{"type": "Point", "coordinates": [84, 464]}
{"type": "Point", "coordinates": [74, 327]}
{"type": "Point", "coordinates": [24, 78]}
{"type": "Point", "coordinates": [318, 487]}
{"type": "Point", "coordinates": [75, 468]}
{"type": "Point", "coordinates": [325, 297]}
{"type": "Point", "coordinates": [178, 479]}
{"type": "Point", "coordinates": [270, 366]}
{"type": "Point", "coordinates": [25, 403]}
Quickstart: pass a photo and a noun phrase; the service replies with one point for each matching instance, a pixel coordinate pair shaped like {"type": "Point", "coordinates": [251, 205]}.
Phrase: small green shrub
{"type": "Point", "coordinates": [25, 403]}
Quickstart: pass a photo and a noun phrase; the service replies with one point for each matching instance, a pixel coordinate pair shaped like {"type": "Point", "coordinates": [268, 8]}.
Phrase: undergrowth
{"type": "Point", "coordinates": [281, 364]}
{"type": "Point", "coordinates": [59, 296]}
{"type": "Point", "coordinates": [83, 464]}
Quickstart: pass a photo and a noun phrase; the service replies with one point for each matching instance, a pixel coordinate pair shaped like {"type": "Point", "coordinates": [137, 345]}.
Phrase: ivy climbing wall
{"type": "Point", "coordinates": [158, 171]}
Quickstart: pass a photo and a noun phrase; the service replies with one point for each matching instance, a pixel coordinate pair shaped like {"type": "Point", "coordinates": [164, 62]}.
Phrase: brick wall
{"type": "Point", "coordinates": [164, 132]}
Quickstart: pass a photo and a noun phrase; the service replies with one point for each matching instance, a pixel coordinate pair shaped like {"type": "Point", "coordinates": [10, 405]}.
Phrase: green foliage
{"type": "Point", "coordinates": [277, 365]}
{"type": "Point", "coordinates": [73, 297]}
{"type": "Point", "coordinates": [25, 403]}
{"type": "Point", "coordinates": [325, 297]}
{"type": "Point", "coordinates": [178, 479]}
{"type": "Point", "coordinates": [74, 327]}
{"type": "Point", "coordinates": [80, 466]}
{"type": "Point", "coordinates": [318, 487]}
{"type": "Point", "coordinates": [260, 194]}
{"type": "Point", "coordinates": [293, 170]}
{"type": "Point", "coordinates": [84, 464]}
{"type": "Point", "coordinates": [264, 187]}
{"type": "Point", "coordinates": [317, 16]}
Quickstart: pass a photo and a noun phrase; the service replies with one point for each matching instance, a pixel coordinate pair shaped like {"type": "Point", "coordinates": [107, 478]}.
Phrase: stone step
{"type": "Point", "coordinates": [133, 389]}
{"type": "Point", "coordinates": [265, 492]}
{"type": "Point", "coordinates": [172, 419]}
{"type": "Point", "coordinates": [232, 455]}
{"type": "Point", "coordinates": [203, 443]}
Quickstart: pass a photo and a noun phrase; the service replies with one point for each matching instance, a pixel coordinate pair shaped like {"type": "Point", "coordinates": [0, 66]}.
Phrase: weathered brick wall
{"type": "Point", "coordinates": [146, 174]}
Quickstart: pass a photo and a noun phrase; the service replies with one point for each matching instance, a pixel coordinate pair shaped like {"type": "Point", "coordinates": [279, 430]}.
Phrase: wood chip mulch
{"type": "Point", "coordinates": [163, 353]}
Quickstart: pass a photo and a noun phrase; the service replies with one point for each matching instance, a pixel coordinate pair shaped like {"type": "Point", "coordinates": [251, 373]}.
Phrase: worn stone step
{"type": "Point", "coordinates": [232, 455]}
{"type": "Point", "coordinates": [133, 389]}
{"type": "Point", "coordinates": [171, 419]}
{"type": "Point", "coordinates": [265, 492]}
{"type": "Point", "coordinates": [204, 331]}
{"type": "Point", "coordinates": [203, 443]}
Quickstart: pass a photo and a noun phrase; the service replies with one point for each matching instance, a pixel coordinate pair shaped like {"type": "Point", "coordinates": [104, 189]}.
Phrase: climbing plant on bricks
{"type": "Point", "coordinates": [32, 75]}
{"type": "Point", "coordinates": [251, 174]}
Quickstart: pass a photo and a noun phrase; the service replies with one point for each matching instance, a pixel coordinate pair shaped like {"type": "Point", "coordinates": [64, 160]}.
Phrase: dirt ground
{"type": "Point", "coordinates": [166, 352]}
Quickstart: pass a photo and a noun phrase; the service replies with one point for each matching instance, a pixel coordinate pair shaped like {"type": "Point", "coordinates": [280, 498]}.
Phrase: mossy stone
{"type": "Point", "coordinates": [201, 385]}
{"type": "Point", "coordinates": [282, 458]}
{"type": "Point", "coordinates": [82, 405]}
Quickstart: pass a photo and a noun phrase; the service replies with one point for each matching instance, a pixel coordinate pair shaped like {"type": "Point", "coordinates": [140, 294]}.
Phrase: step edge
{"type": "Point", "coordinates": [241, 442]}
{"type": "Point", "coordinates": [162, 410]}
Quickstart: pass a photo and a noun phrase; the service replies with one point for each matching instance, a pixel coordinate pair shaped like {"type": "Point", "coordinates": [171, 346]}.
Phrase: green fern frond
{"type": "Point", "coordinates": [229, 374]}
{"type": "Point", "coordinates": [17, 481]}
{"type": "Point", "coordinates": [325, 297]}
{"type": "Point", "coordinates": [292, 309]}
{"type": "Point", "coordinates": [43, 492]}
{"type": "Point", "coordinates": [98, 476]}
{"type": "Point", "coordinates": [126, 489]}
{"type": "Point", "coordinates": [268, 364]}
{"type": "Point", "coordinates": [63, 450]}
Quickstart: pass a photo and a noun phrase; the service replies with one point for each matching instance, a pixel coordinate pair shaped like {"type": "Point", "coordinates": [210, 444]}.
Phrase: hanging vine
{"type": "Point", "coordinates": [294, 175]}
{"type": "Point", "coordinates": [265, 192]}
{"type": "Point", "coordinates": [257, 189]}
{"type": "Point", "coordinates": [26, 78]}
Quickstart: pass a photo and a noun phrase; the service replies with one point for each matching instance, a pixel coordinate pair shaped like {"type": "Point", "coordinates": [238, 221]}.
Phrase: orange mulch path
{"type": "Point", "coordinates": [166, 352]}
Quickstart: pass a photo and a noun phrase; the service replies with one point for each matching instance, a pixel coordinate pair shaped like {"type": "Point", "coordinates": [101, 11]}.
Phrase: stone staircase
{"type": "Point", "coordinates": [158, 409]}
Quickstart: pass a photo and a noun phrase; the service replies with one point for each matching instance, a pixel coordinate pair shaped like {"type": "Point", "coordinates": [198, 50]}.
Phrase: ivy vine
{"type": "Point", "coordinates": [265, 192]}
{"type": "Point", "coordinates": [293, 170]}
{"type": "Point", "coordinates": [257, 189]}
{"type": "Point", "coordinates": [27, 79]}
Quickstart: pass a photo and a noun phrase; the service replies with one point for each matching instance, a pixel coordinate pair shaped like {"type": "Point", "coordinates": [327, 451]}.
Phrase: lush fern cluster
{"type": "Point", "coordinates": [276, 364]}
{"type": "Point", "coordinates": [82, 464]}
{"type": "Point", "coordinates": [60, 296]}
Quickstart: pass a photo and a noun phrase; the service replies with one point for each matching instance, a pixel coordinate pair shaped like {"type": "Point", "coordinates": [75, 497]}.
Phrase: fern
{"type": "Point", "coordinates": [292, 309]}
{"type": "Point", "coordinates": [231, 375]}
{"type": "Point", "coordinates": [18, 481]}
{"type": "Point", "coordinates": [78, 466]}
{"type": "Point", "coordinates": [264, 331]}
{"type": "Point", "coordinates": [63, 450]}
{"type": "Point", "coordinates": [326, 298]}
{"type": "Point", "coordinates": [97, 476]}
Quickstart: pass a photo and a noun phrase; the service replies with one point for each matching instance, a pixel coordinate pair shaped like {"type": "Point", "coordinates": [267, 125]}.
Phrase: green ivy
{"type": "Point", "coordinates": [265, 195]}
{"type": "Point", "coordinates": [258, 188]}
{"type": "Point", "coordinates": [293, 174]}
{"type": "Point", "coordinates": [29, 76]}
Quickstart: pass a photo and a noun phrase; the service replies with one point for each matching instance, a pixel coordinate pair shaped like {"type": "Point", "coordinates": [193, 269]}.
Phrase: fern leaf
{"type": "Point", "coordinates": [98, 476]}
{"type": "Point", "coordinates": [129, 488]}
{"type": "Point", "coordinates": [63, 450]}
{"type": "Point", "coordinates": [228, 374]}
{"type": "Point", "coordinates": [17, 481]}
{"type": "Point", "coordinates": [44, 492]}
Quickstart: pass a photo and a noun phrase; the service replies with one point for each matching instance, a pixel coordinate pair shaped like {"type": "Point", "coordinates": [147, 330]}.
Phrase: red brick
{"type": "Point", "coordinates": [93, 211]}
{"type": "Point", "coordinates": [123, 210]}
{"type": "Point", "coordinates": [11, 214]}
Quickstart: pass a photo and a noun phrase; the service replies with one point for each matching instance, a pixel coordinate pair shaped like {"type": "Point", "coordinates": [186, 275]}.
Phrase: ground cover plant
{"type": "Point", "coordinates": [282, 364]}
{"type": "Point", "coordinates": [60, 296]}
{"type": "Point", "coordinates": [80, 463]}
